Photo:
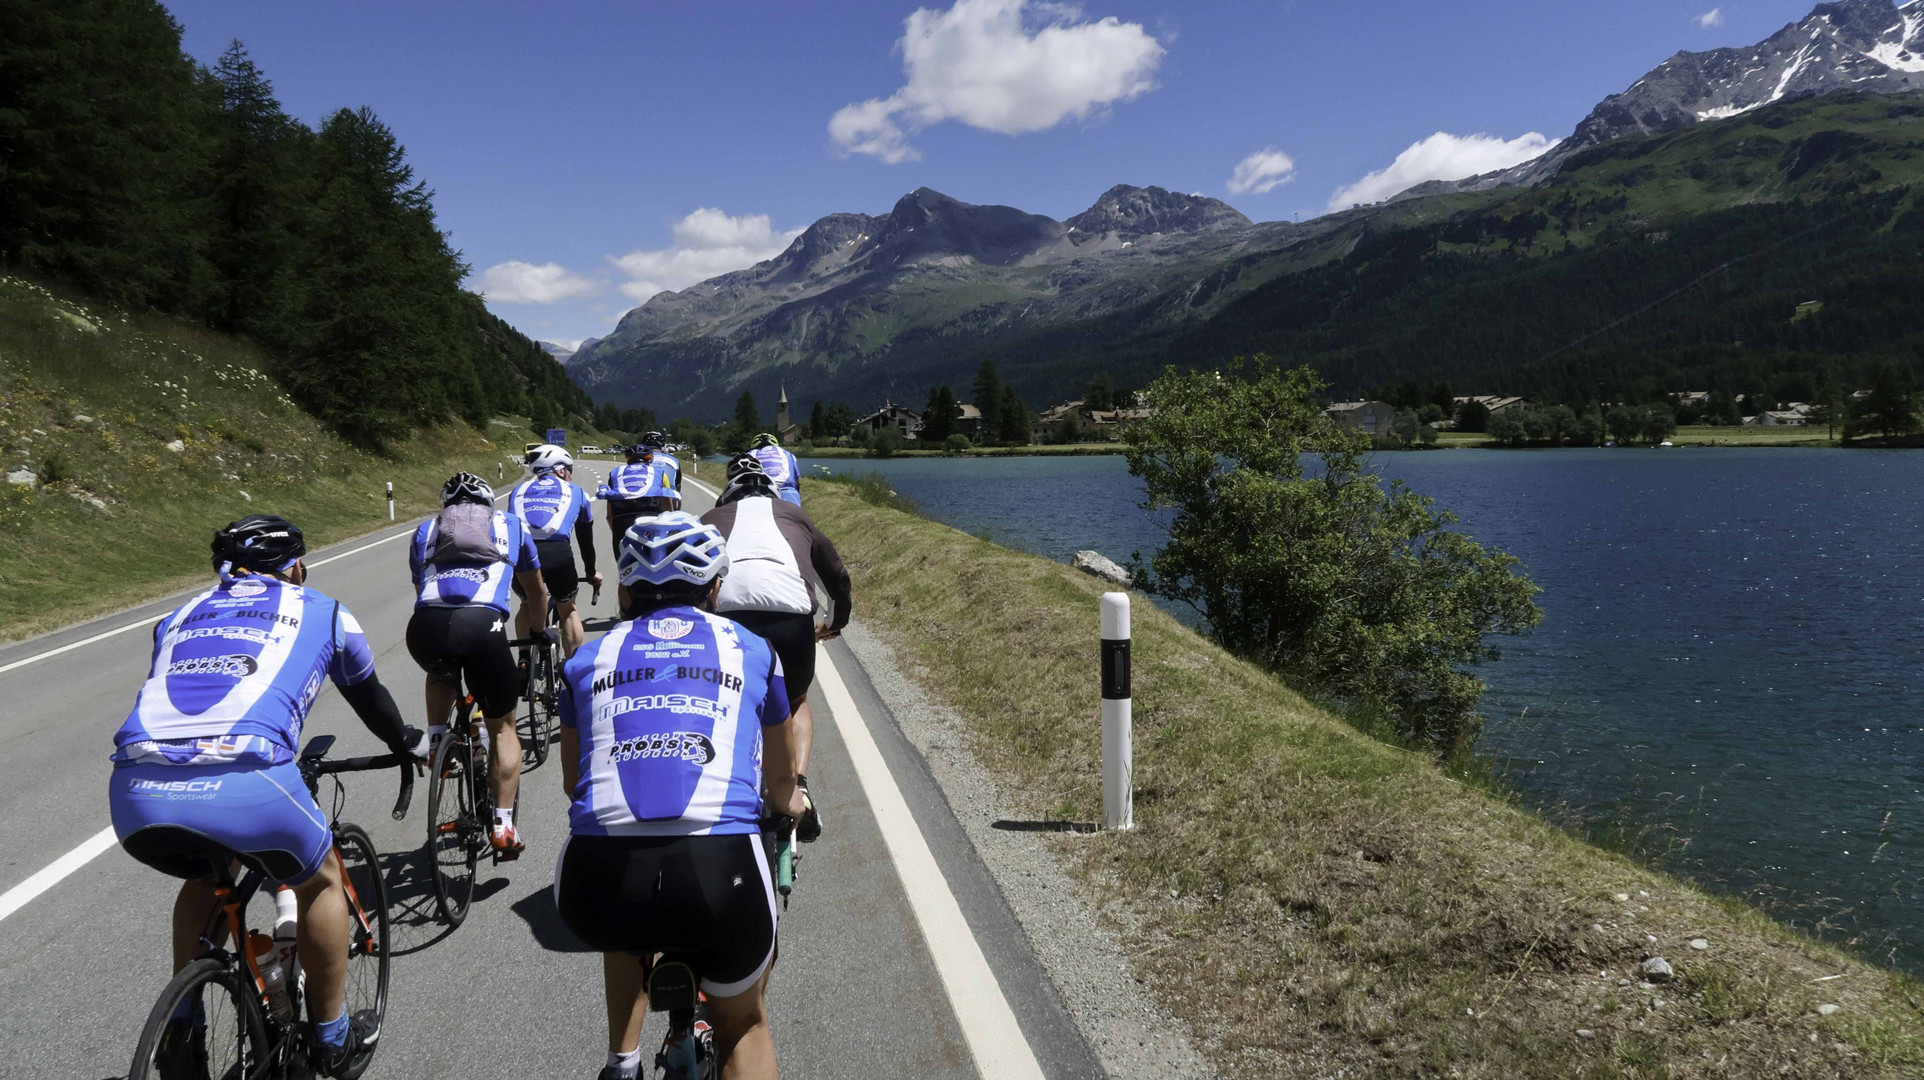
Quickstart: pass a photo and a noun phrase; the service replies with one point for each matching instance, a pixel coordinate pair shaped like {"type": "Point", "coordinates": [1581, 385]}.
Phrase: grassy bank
{"type": "Point", "coordinates": [143, 435]}
{"type": "Point", "coordinates": [1315, 903]}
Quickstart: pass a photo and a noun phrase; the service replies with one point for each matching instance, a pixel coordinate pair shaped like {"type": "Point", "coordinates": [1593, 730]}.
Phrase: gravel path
{"type": "Point", "coordinates": [1084, 957]}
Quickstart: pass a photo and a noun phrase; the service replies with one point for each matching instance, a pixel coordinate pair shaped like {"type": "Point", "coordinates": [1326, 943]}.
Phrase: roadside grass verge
{"type": "Point", "coordinates": [1316, 903]}
{"type": "Point", "coordinates": [94, 402]}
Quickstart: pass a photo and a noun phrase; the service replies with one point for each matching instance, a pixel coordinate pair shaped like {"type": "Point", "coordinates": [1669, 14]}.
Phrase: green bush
{"type": "Point", "coordinates": [957, 443]}
{"type": "Point", "coordinates": [886, 443]}
{"type": "Point", "coordinates": [1351, 588]}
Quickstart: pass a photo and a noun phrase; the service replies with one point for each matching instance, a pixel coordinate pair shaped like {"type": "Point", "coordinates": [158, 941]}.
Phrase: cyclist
{"type": "Point", "coordinates": [204, 767]}
{"type": "Point", "coordinates": [672, 727]}
{"type": "Point", "coordinates": [786, 583]}
{"type": "Point", "coordinates": [648, 484]}
{"type": "Point", "coordinates": [461, 561]}
{"type": "Point", "coordinates": [781, 467]}
{"type": "Point", "coordinates": [553, 508]}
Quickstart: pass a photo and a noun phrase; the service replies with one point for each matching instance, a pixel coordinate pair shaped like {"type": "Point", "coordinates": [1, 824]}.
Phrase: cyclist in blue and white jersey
{"type": "Point", "coordinates": [781, 467]}
{"type": "Point", "coordinates": [462, 561]}
{"type": "Point", "coordinates": [649, 483]}
{"type": "Point", "coordinates": [205, 769]}
{"type": "Point", "coordinates": [554, 509]}
{"type": "Point", "coordinates": [673, 725]}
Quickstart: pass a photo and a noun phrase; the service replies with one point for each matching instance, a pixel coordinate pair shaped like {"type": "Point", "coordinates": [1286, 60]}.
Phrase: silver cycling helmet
{"type": "Point", "coordinates": [546, 458]}
{"type": "Point", "coordinates": [674, 548]}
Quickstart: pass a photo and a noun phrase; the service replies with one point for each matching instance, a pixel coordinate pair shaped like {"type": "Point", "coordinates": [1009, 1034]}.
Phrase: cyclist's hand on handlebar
{"type": "Point", "coordinates": [595, 579]}
{"type": "Point", "coordinates": [823, 633]}
{"type": "Point", "coordinates": [417, 747]}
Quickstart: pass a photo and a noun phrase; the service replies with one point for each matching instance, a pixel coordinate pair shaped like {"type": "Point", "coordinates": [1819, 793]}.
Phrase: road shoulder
{"type": "Point", "coordinates": [1068, 945]}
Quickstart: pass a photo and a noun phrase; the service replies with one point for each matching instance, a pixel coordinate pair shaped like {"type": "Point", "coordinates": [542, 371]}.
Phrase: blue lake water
{"type": "Point", "coordinates": [1728, 661]}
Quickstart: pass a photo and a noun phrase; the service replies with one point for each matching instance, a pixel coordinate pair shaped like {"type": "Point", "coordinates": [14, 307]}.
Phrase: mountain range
{"type": "Point", "coordinates": [862, 307]}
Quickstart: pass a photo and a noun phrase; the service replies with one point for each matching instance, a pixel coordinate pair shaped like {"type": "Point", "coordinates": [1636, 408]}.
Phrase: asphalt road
{"type": "Point", "coordinates": [899, 956]}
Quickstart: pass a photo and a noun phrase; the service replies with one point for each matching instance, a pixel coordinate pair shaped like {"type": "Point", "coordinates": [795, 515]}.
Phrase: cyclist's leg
{"type": "Point", "coordinates": [572, 632]}
{"type": "Point", "coordinates": [495, 682]}
{"type": "Point", "coordinates": [743, 1041]}
{"type": "Point", "coordinates": [323, 939]}
{"type": "Point", "coordinates": [627, 996]}
{"type": "Point", "coordinates": [429, 643]}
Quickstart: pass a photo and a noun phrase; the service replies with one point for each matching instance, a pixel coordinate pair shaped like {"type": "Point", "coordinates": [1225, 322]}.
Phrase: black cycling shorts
{"type": "Point", "coordinates": [557, 569]}
{"type": "Point", "coordinates": [623, 513]}
{"type": "Point", "coordinates": [468, 643]}
{"type": "Point", "coordinates": [710, 899]}
{"type": "Point", "coordinates": [793, 638]}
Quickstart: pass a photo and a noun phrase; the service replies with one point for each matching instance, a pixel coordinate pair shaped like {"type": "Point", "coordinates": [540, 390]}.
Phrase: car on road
{"type": "Point", "coordinates": [589, 449]}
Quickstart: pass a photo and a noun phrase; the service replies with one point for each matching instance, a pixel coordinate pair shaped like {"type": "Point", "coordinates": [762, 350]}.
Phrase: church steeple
{"type": "Point", "coordinates": [781, 415]}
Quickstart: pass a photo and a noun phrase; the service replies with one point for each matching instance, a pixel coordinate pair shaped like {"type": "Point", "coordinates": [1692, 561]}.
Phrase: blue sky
{"type": "Point", "coordinates": [584, 154]}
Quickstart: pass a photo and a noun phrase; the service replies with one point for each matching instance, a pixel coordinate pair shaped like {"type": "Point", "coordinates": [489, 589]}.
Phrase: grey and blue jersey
{"type": "Point", "coordinates": [471, 584]}
{"type": "Point", "coordinates": [551, 508]}
{"type": "Point", "coordinates": [669, 710]}
{"type": "Point", "coordinates": [783, 470]}
{"type": "Point", "coordinates": [235, 671]}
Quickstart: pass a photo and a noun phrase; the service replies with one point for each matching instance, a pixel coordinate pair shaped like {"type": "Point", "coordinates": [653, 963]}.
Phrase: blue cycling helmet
{"type": "Point", "coordinates": [674, 548]}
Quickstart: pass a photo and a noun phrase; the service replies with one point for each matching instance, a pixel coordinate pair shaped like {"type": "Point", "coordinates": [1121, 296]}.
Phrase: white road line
{"type": "Point", "coordinates": [988, 1024]}
{"type": "Point", "coordinates": [17, 897]}
{"type": "Point", "coordinates": [22, 894]}
{"type": "Point", "coordinates": [152, 619]}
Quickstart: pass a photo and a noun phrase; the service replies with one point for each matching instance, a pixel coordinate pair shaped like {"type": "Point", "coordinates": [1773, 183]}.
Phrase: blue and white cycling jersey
{"type": "Point", "coordinates": [669, 709]}
{"type": "Point", "coordinates": [784, 470]}
{"type": "Point", "coordinates": [235, 671]}
{"type": "Point", "coordinates": [659, 478]}
{"type": "Point", "coordinates": [472, 583]}
{"type": "Point", "coordinates": [552, 508]}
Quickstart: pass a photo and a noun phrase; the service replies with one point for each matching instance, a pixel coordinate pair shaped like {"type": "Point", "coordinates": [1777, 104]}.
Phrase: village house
{"type": "Point", "coordinates": [906, 421]}
{"type": "Point", "coordinates": [1368, 417]}
{"type": "Point", "coordinates": [1496, 403]}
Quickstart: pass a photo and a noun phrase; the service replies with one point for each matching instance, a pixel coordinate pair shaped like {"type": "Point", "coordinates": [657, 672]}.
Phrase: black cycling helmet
{"type": "Point", "coordinates": [653, 440]}
{"type": "Point", "coordinates": [262, 543]}
{"type": "Point", "coordinates": [466, 487]}
{"type": "Point", "coordinates": [743, 463]}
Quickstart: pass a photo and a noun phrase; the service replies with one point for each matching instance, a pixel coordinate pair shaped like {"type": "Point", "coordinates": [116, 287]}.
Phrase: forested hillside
{"type": "Point", "coordinates": [133, 173]}
{"type": "Point", "coordinates": [1689, 260]}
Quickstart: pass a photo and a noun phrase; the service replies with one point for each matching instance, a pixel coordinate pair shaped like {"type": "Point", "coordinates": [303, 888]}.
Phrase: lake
{"type": "Point", "coordinates": [1727, 670]}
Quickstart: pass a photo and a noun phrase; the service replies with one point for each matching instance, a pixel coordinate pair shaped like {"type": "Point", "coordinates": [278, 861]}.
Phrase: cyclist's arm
{"type": "Point", "coordinates": [778, 747]}
{"type": "Point", "coordinates": [375, 706]}
{"type": "Point", "coordinates": [834, 575]}
{"type": "Point", "coordinates": [585, 540]}
{"type": "Point", "coordinates": [570, 739]}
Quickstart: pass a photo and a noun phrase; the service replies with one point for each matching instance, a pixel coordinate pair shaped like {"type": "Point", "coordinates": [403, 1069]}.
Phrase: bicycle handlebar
{"type": "Point", "coordinates": [318, 768]}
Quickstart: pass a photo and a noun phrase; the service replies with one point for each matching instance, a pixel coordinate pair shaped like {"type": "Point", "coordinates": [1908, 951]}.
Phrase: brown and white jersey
{"type": "Point", "coordinates": [779, 561]}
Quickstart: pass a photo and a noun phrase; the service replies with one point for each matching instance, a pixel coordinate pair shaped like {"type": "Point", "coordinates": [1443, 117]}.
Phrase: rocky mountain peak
{"type": "Point", "coordinates": [1129, 211]}
{"type": "Point", "coordinates": [928, 224]}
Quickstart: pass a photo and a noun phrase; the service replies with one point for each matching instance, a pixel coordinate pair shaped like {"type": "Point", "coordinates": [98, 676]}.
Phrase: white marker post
{"type": "Point", "coordinates": [1118, 750]}
{"type": "Point", "coordinates": [390, 500]}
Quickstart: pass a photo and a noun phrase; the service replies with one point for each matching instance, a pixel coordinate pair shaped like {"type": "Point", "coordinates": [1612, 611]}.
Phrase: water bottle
{"type": "Point", "coordinates": [286, 933]}
{"type": "Point", "coordinates": [267, 962]}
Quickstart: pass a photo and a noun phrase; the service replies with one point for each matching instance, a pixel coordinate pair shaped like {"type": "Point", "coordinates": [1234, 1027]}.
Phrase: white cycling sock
{"type": "Point", "coordinates": [504, 817]}
{"type": "Point", "coordinates": [626, 1066]}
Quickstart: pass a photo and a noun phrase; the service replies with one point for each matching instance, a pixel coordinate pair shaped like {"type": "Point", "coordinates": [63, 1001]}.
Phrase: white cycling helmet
{"type": "Point", "coordinates": [674, 548]}
{"type": "Point", "coordinates": [546, 458]}
{"type": "Point", "coordinates": [465, 487]}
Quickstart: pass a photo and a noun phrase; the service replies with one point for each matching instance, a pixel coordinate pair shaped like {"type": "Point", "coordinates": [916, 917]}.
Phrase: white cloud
{"type": "Point", "coordinates": [516, 282]}
{"type": "Point", "coordinates": [1713, 17]}
{"type": "Point", "coordinates": [1008, 66]}
{"type": "Point", "coordinates": [1442, 156]}
{"type": "Point", "coordinates": [1262, 172]}
{"type": "Point", "coordinates": [706, 243]}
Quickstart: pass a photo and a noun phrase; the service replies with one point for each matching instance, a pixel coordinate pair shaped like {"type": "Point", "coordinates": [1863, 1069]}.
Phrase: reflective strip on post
{"type": "Point", "coordinates": [390, 500]}
{"type": "Point", "coordinates": [1118, 753]}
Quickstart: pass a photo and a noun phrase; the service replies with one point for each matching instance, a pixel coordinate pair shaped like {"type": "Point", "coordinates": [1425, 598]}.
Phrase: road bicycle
{"type": "Point", "coordinates": [673, 980]}
{"type": "Point", "coordinates": [460, 812]}
{"type": "Point", "coordinates": [235, 1029]}
{"type": "Point", "coordinates": [539, 725]}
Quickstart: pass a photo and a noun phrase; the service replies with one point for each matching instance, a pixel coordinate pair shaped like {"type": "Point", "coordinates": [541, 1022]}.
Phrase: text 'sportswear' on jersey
{"type": "Point", "coordinates": [235, 671]}
{"type": "Point", "coordinates": [784, 470]}
{"type": "Point", "coordinates": [469, 583]}
{"type": "Point", "coordinates": [669, 709]}
{"type": "Point", "coordinates": [549, 506]}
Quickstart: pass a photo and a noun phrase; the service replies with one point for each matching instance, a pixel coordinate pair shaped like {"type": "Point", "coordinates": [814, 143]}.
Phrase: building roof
{"type": "Point", "coordinates": [968, 412]}
{"type": "Point", "coordinates": [1351, 406]}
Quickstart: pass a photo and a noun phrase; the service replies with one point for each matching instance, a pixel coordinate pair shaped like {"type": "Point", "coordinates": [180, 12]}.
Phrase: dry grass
{"type": "Point", "coordinates": [1315, 903]}
{"type": "Point", "coordinates": [118, 516]}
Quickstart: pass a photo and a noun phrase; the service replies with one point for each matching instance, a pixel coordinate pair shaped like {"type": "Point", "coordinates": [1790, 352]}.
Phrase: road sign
{"type": "Point", "coordinates": [558, 436]}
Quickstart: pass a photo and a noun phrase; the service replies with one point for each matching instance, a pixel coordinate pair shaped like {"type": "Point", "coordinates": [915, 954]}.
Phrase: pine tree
{"type": "Point", "coordinates": [1101, 395]}
{"type": "Point", "coordinates": [986, 396]}
{"type": "Point", "coordinates": [817, 423]}
{"type": "Point", "coordinates": [938, 420]}
{"type": "Point", "coordinates": [1013, 418]}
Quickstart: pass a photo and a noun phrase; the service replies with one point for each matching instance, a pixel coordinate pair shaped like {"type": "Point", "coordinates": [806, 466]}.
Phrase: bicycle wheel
{"type": "Point", "coordinates": [369, 945]}
{"type": "Point", "coordinates": [231, 1042]}
{"type": "Point", "coordinates": [533, 724]}
{"type": "Point", "coordinates": [452, 828]}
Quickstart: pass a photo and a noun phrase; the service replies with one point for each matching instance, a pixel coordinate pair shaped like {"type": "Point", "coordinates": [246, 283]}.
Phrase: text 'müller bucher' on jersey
{"type": "Point", "coordinates": [669, 709]}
